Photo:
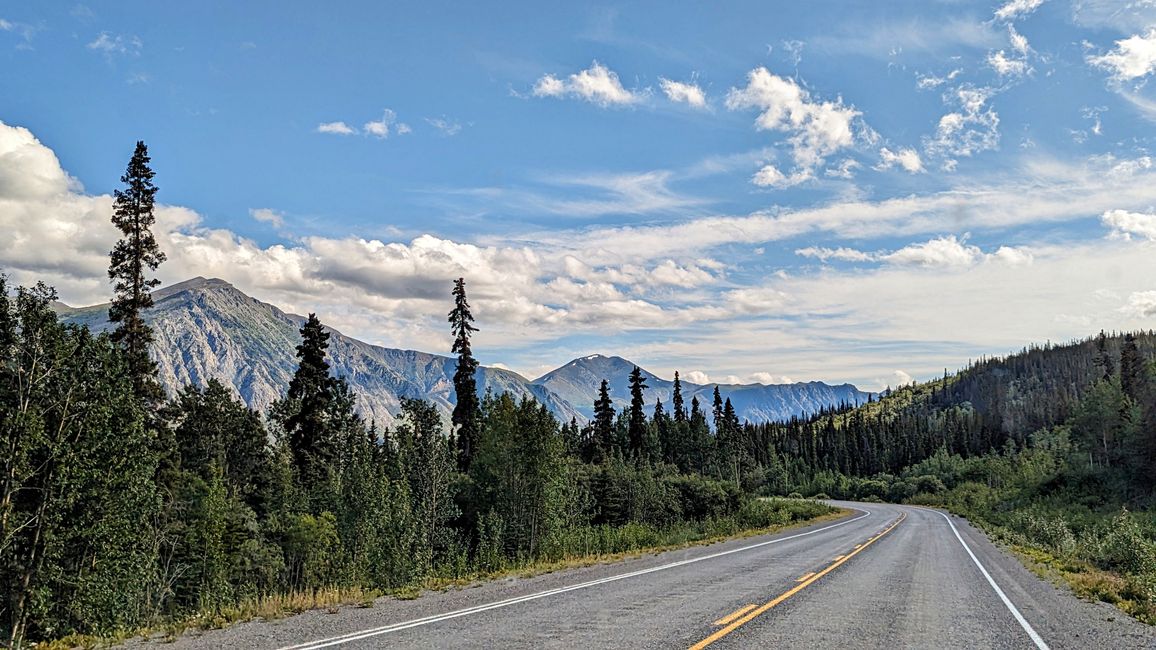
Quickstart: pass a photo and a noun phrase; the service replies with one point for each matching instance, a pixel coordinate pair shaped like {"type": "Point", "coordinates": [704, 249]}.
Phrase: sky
{"type": "Point", "coordinates": [745, 192]}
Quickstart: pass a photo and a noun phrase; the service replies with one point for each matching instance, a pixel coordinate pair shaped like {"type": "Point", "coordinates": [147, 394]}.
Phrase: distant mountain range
{"type": "Point", "coordinates": [206, 329]}
{"type": "Point", "coordinates": [578, 383]}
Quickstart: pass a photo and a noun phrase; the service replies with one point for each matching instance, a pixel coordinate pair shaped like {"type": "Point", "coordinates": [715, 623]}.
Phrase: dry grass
{"type": "Point", "coordinates": [1091, 583]}
{"type": "Point", "coordinates": [276, 606]}
{"type": "Point", "coordinates": [410, 592]}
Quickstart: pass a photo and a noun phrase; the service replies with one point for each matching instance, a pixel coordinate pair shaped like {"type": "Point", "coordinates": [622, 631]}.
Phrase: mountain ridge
{"type": "Point", "coordinates": [206, 328]}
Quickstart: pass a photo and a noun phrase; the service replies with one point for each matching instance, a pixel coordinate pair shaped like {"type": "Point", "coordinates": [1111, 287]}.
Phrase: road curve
{"type": "Point", "coordinates": [888, 576]}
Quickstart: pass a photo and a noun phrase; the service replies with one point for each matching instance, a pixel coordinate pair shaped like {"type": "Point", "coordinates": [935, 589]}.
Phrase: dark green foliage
{"type": "Point", "coordinates": [316, 409]}
{"type": "Point", "coordinates": [603, 435]}
{"type": "Point", "coordinates": [466, 413]}
{"type": "Point", "coordinates": [637, 430]}
{"type": "Point", "coordinates": [77, 546]}
{"type": "Point", "coordinates": [132, 255]}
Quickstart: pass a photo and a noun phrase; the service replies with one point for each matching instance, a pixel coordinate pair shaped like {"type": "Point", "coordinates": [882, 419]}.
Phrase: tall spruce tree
{"type": "Point", "coordinates": [466, 417]}
{"type": "Point", "coordinates": [603, 421]}
{"type": "Point", "coordinates": [130, 257]}
{"type": "Point", "coordinates": [1132, 373]}
{"type": "Point", "coordinates": [312, 391]}
{"type": "Point", "coordinates": [637, 426]}
{"type": "Point", "coordinates": [676, 402]}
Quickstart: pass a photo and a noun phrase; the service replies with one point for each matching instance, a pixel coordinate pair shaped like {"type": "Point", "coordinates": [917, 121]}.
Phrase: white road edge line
{"type": "Point", "coordinates": [1036, 638]}
{"type": "Point", "coordinates": [396, 627]}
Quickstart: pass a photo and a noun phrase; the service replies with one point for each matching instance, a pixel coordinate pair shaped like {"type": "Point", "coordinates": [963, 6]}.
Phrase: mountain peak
{"type": "Point", "coordinates": [192, 284]}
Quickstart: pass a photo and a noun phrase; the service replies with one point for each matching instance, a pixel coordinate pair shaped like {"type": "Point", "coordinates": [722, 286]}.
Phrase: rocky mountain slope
{"type": "Point", "coordinates": [578, 382]}
{"type": "Point", "coordinates": [206, 329]}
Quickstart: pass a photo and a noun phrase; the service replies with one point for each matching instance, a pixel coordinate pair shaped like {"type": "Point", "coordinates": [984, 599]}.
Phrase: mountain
{"type": "Point", "coordinates": [206, 329]}
{"type": "Point", "coordinates": [578, 382]}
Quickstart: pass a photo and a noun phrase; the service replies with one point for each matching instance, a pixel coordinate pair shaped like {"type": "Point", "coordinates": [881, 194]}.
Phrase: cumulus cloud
{"type": "Point", "coordinates": [686, 93]}
{"type": "Point", "coordinates": [1133, 57]}
{"type": "Point", "coordinates": [816, 128]}
{"type": "Point", "coordinates": [907, 158]}
{"type": "Point", "coordinates": [696, 377]}
{"type": "Point", "coordinates": [380, 128]}
{"type": "Point", "coordinates": [770, 176]}
{"type": "Point", "coordinates": [1125, 224]}
{"type": "Point", "coordinates": [336, 128]}
{"type": "Point", "coordinates": [596, 84]}
{"type": "Point", "coordinates": [1017, 8]}
{"type": "Point", "coordinates": [1141, 304]}
{"type": "Point", "coordinates": [943, 252]}
{"type": "Point", "coordinates": [1007, 66]}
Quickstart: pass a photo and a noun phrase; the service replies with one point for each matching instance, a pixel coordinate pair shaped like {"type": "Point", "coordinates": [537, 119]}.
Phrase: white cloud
{"type": "Point", "coordinates": [817, 128]}
{"type": "Point", "coordinates": [109, 44]}
{"type": "Point", "coordinates": [6, 26]}
{"type": "Point", "coordinates": [1125, 224]}
{"type": "Point", "coordinates": [928, 81]}
{"type": "Point", "coordinates": [1017, 8]}
{"type": "Point", "coordinates": [337, 128]}
{"type": "Point", "coordinates": [1141, 304]}
{"type": "Point", "coordinates": [1006, 66]}
{"type": "Point", "coordinates": [845, 169]}
{"type": "Point", "coordinates": [679, 92]}
{"type": "Point", "coordinates": [447, 127]}
{"type": "Point", "coordinates": [1019, 42]}
{"type": "Point", "coordinates": [770, 176]}
{"type": "Point", "coordinates": [944, 252]}
{"type": "Point", "coordinates": [1133, 58]}
{"type": "Point", "coordinates": [269, 216]}
{"type": "Point", "coordinates": [971, 130]}
{"type": "Point", "coordinates": [381, 128]}
{"type": "Point", "coordinates": [769, 379]}
{"type": "Point", "coordinates": [906, 158]}
{"type": "Point", "coordinates": [597, 84]}
{"type": "Point", "coordinates": [696, 377]}
{"type": "Point", "coordinates": [901, 378]}
{"type": "Point", "coordinates": [843, 254]}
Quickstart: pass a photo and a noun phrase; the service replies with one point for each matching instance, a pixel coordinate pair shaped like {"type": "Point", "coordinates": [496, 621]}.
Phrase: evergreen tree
{"type": "Point", "coordinates": [1103, 359]}
{"type": "Point", "coordinates": [132, 255]}
{"type": "Point", "coordinates": [313, 394]}
{"type": "Point", "coordinates": [466, 416]}
{"type": "Point", "coordinates": [677, 406]}
{"type": "Point", "coordinates": [1132, 372]}
{"type": "Point", "coordinates": [636, 429]}
{"type": "Point", "coordinates": [603, 421]}
{"type": "Point", "coordinates": [717, 410]}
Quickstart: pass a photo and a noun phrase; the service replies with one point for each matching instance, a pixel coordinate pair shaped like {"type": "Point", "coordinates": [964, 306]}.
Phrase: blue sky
{"type": "Point", "coordinates": [747, 192]}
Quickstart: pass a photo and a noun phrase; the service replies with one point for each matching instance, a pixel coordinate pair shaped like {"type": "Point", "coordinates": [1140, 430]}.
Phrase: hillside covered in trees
{"type": "Point", "coordinates": [121, 508]}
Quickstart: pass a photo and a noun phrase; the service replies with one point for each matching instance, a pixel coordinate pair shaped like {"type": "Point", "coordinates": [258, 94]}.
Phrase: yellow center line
{"type": "Point", "coordinates": [735, 614]}
{"type": "Point", "coordinates": [750, 615]}
{"type": "Point", "coordinates": [805, 577]}
{"type": "Point", "coordinates": [839, 557]}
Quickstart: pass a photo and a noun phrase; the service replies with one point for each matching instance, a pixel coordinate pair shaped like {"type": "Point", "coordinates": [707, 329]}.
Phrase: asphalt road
{"type": "Point", "coordinates": [886, 577]}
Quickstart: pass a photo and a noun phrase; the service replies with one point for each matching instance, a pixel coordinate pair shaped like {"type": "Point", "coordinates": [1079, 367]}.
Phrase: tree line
{"type": "Point", "coordinates": [121, 506]}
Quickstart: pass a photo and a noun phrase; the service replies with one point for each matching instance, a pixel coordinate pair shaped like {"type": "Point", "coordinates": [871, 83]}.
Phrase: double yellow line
{"type": "Point", "coordinates": [750, 612]}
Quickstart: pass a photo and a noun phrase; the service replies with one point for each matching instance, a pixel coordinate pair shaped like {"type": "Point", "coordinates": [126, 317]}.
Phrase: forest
{"type": "Point", "coordinates": [123, 508]}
